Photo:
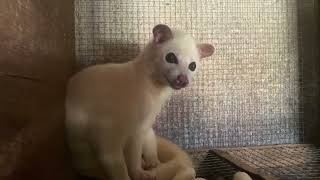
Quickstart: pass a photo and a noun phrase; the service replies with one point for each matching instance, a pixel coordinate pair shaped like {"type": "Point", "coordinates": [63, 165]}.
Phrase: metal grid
{"type": "Point", "coordinates": [246, 94]}
{"type": "Point", "coordinates": [211, 166]}
{"type": "Point", "coordinates": [276, 162]}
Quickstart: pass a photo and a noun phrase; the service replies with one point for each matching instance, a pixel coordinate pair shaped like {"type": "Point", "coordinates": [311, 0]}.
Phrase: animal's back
{"type": "Point", "coordinates": [101, 90]}
{"type": "Point", "coordinates": [92, 89]}
{"type": "Point", "coordinates": [100, 81]}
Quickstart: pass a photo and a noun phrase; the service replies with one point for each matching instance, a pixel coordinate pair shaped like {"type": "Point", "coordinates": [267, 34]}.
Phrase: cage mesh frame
{"type": "Point", "coordinates": [92, 49]}
{"type": "Point", "coordinates": [249, 93]}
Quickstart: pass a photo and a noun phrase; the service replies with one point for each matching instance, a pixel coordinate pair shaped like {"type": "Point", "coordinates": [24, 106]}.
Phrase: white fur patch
{"type": "Point", "coordinates": [185, 49]}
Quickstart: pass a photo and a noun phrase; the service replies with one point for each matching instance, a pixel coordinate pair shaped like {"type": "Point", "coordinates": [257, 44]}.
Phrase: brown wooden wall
{"type": "Point", "coordinates": [36, 58]}
{"type": "Point", "coordinates": [309, 39]}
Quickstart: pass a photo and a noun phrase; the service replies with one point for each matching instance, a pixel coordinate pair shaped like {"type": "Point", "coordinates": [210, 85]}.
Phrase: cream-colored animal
{"type": "Point", "coordinates": [110, 107]}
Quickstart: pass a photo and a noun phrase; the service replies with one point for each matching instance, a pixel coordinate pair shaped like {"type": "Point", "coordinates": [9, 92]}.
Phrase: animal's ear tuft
{"type": "Point", "coordinates": [205, 50]}
{"type": "Point", "coordinates": [161, 33]}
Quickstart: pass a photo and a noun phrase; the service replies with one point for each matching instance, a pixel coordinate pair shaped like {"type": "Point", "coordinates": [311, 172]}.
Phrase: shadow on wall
{"type": "Point", "coordinates": [309, 25]}
{"type": "Point", "coordinates": [112, 52]}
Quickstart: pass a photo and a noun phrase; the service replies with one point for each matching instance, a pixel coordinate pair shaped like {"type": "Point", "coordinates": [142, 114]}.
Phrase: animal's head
{"type": "Point", "coordinates": [177, 56]}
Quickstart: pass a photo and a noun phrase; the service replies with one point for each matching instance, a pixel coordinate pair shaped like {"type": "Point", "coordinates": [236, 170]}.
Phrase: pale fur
{"type": "Point", "coordinates": [175, 164]}
{"type": "Point", "coordinates": [97, 105]}
{"type": "Point", "coordinates": [241, 176]}
{"type": "Point", "coordinates": [185, 48]}
{"type": "Point", "coordinates": [109, 108]}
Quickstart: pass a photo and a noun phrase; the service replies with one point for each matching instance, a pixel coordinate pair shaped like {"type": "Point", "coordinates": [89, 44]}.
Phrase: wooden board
{"type": "Point", "coordinates": [36, 58]}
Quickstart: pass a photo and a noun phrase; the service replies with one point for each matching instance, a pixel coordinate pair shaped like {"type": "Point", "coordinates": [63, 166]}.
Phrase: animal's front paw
{"type": "Point", "coordinates": [144, 175]}
{"type": "Point", "coordinates": [146, 165]}
{"type": "Point", "coordinates": [186, 174]}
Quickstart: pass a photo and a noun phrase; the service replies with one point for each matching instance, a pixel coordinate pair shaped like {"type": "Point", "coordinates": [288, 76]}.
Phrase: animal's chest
{"type": "Point", "coordinates": [150, 106]}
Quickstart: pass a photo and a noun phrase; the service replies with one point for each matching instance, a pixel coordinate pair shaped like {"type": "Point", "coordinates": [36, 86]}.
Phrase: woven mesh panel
{"type": "Point", "coordinates": [276, 162]}
{"type": "Point", "coordinates": [246, 94]}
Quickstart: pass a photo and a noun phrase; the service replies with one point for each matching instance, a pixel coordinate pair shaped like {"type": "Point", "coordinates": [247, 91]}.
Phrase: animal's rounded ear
{"type": "Point", "coordinates": [161, 33]}
{"type": "Point", "coordinates": [205, 50]}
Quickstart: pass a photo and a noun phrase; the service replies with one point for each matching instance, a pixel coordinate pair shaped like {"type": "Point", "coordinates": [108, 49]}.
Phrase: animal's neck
{"type": "Point", "coordinates": [147, 72]}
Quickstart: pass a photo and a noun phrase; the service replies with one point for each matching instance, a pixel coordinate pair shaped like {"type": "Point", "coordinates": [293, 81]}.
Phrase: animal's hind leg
{"type": "Point", "coordinates": [108, 145]}
{"type": "Point", "coordinates": [114, 164]}
{"type": "Point", "coordinates": [149, 150]}
{"type": "Point", "coordinates": [133, 152]}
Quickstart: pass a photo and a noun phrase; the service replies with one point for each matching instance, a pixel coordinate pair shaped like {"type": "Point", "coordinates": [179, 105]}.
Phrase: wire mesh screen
{"type": "Point", "coordinates": [212, 166]}
{"type": "Point", "coordinates": [246, 94]}
{"type": "Point", "coordinates": [276, 162]}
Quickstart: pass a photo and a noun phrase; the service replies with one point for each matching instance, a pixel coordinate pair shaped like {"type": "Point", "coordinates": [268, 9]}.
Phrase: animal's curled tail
{"type": "Point", "coordinates": [241, 176]}
{"type": "Point", "coordinates": [177, 165]}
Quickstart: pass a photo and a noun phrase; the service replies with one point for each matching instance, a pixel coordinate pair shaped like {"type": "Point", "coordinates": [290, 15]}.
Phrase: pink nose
{"type": "Point", "coordinates": [182, 80]}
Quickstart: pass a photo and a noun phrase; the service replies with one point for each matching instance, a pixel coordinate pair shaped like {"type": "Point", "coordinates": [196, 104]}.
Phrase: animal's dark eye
{"type": "Point", "coordinates": [192, 66]}
{"type": "Point", "coordinates": [171, 58]}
